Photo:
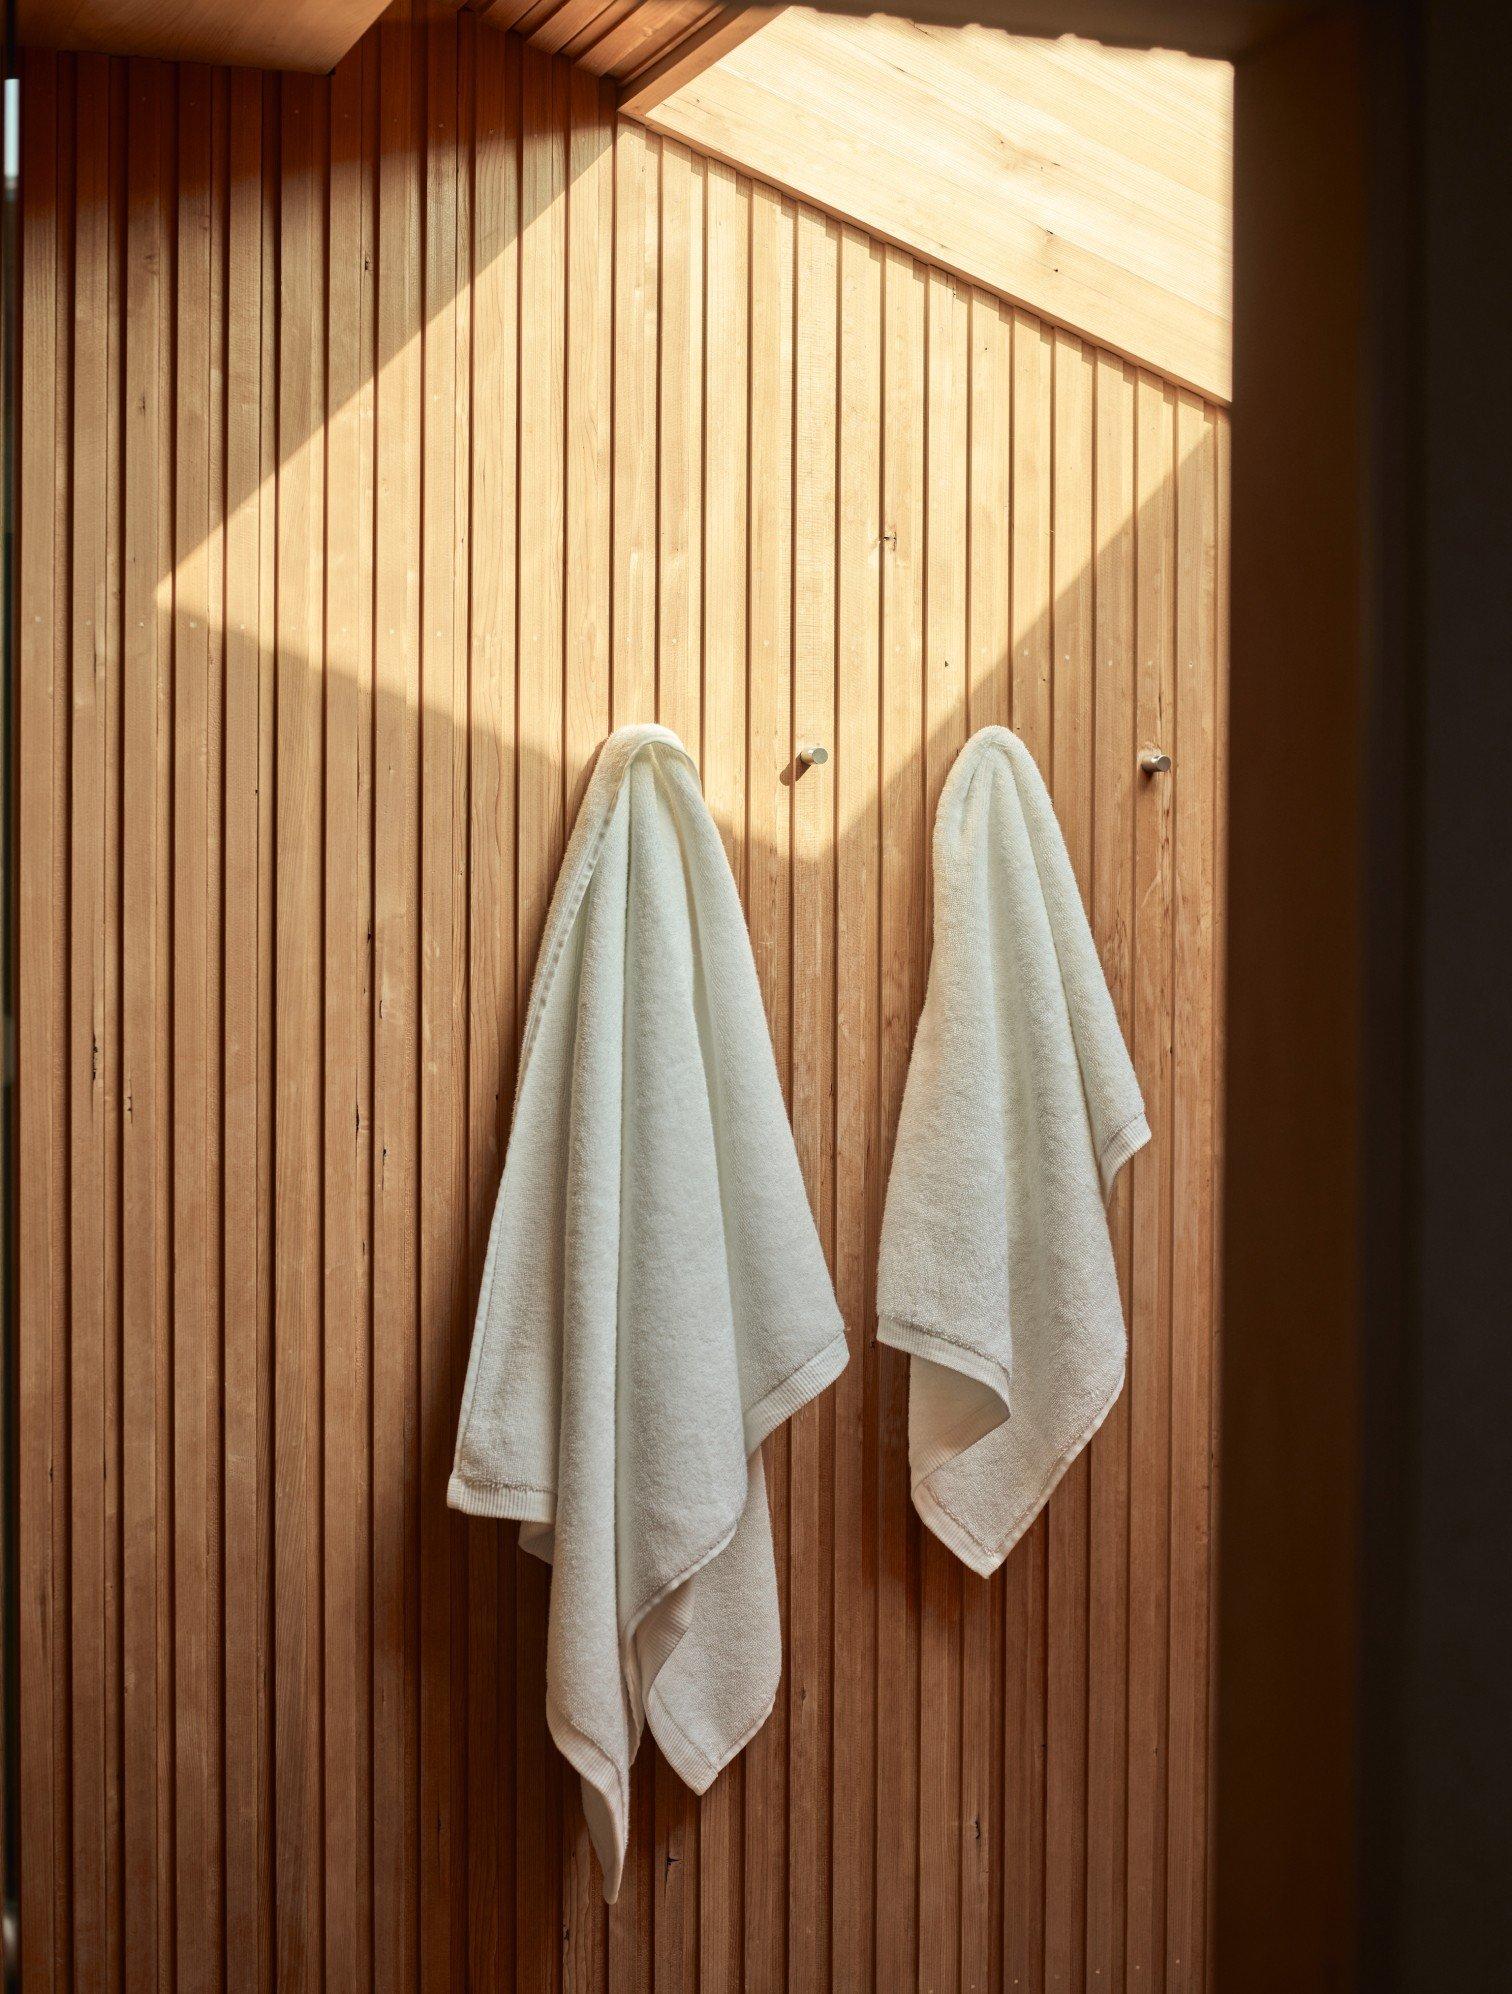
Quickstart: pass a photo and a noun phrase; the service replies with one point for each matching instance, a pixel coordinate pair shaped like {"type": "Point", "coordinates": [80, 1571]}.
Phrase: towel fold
{"type": "Point", "coordinates": [996, 1271]}
{"type": "Point", "coordinates": [655, 1299]}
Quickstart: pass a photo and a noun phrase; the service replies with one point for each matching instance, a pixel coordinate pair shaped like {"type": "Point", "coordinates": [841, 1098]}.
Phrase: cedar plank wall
{"type": "Point", "coordinates": [342, 544]}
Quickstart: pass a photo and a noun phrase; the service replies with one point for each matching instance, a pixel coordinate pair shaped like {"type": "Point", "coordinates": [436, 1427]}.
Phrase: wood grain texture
{"type": "Point", "coordinates": [268, 33]}
{"type": "Point", "coordinates": [385, 440]}
{"type": "Point", "coordinates": [1088, 182]}
{"type": "Point", "coordinates": [627, 38]}
{"type": "Point", "coordinates": [697, 50]}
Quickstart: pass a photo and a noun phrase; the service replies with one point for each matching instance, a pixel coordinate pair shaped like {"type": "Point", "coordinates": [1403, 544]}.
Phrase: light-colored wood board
{"type": "Point", "coordinates": [725, 512]}
{"type": "Point", "coordinates": [811, 1432]}
{"type": "Point", "coordinates": [989, 663]}
{"type": "Point", "coordinates": [1025, 1572]}
{"type": "Point", "coordinates": [946, 685]}
{"type": "Point", "coordinates": [679, 628]}
{"type": "Point", "coordinates": [347, 1105]}
{"type": "Point", "coordinates": [142, 1002]}
{"type": "Point", "coordinates": [1149, 1377]}
{"type": "Point", "coordinates": [637, 190]}
{"type": "Point", "coordinates": [1088, 183]}
{"type": "Point", "coordinates": [265, 499]}
{"type": "Point", "coordinates": [769, 888]}
{"type": "Point", "coordinates": [1112, 915]}
{"type": "Point", "coordinates": [590, 385]}
{"type": "Point", "coordinates": [492, 977]}
{"type": "Point", "coordinates": [195, 1268]}
{"type": "Point", "coordinates": [902, 919]}
{"type": "Point", "coordinates": [1071, 786]}
{"type": "Point", "coordinates": [444, 390]}
{"type": "Point", "coordinates": [540, 1785]}
{"type": "Point", "coordinates": [858, 1185]}
{"type": "Point", "coordinates": [91, 1043]}
{"type": "Point", "coordinates": [297, 1040]}
{"type": "Point", "coordinates": [1194, 971]}
{"type": "Point", "coordinates": [637, 285]}
{"type": "Point", "coordinates": [396, 674]}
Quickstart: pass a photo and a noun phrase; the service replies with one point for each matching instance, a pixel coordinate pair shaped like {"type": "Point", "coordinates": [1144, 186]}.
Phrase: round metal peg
{"type": "Point", "coordinates": [1153, 762]}
{"type": "Point", "coordinates": [812, 755]}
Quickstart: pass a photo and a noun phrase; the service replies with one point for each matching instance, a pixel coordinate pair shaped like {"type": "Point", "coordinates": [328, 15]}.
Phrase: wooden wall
{"type": "Point", "coordinates": [384, 441]}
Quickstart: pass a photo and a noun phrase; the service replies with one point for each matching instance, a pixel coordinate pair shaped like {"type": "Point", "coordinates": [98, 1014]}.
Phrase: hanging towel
{"type": "Point", "coordinates": [655, 1299]}
{"type": "Point", "coordinates": [996, 1273]}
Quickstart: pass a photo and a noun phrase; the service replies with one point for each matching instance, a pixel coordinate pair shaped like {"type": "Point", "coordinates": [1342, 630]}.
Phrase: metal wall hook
{"type": "Point", "coordinates": [1153, 762]}
{"type": "Point", "coordinates": [812, 755]}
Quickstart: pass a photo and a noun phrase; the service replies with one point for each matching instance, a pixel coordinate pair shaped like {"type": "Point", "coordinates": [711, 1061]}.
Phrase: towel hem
{"type": "Point", "coordinates": [945, 1350]}
{"type": "Point", "coordinates": [506, 1502]}
{"type": "Point", "coordinates": [687, 1757]}
{"type": "Point", "coordinates": [958, 1535]}
{"type": "Point", "coordinates": [795, 1391]}
{"type": "Point", "coordinates": [598, 1770]}
{"type": "Point", "coordinates": [1119, 1147]}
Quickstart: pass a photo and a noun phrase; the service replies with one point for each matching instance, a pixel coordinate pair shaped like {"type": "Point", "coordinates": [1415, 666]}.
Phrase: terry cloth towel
{"type": "Point", "coordinates": [996, 1273]}
{"type": "Point", "coordinates": [655, 1299]}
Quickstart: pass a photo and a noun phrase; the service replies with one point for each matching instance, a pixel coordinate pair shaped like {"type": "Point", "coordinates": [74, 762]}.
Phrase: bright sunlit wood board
{"type": "Point", "coordinates": [1089, 183]}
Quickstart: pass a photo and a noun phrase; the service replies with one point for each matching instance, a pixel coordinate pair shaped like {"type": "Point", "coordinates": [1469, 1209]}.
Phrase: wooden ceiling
{"type": "Point", "coordinates": [1091, 184]}
{"type": "Point", "coordinates": [625, 39]}
{"type": "Point", "coordinates": [630, 40]}
{"type": "Point", "coordinates": [261, 34]}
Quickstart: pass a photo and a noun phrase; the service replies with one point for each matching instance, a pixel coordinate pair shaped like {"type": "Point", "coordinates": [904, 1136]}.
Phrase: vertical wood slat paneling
{"type": "Point", "coordinates": [143, 1001]}
{"type": "Point", "coordinates": [195, 1071]}
{"type": "Point", "coordinates": [41, 1548]}
{"type": "Point", "coordinates": [243, 860]}
{"type": "Point", "coordinates": [1025, 1574]}
{"type": "Point", "coordinates": [679, 632]}
{"type": "Point", "coordinates": [386, 439]}
{"type": "Point", "coordinates": [988, 685]}
{"type": "Point", "coordinates": [942, 1579]}
{"type": "Point", "coordinates": [347, 1103]}
{"type": "Point", "coordinates": [858, 1188]}
{"type": "Point", "coordinates": [721, 1840]}
{"type": "Point", "coordinates": [491, 957]}
{"type": "Point", "coordinates": [1071, 781]}
{"type": "Point", "coordinates": [298, 1318]}
{"type": "Point", "coordinates": [590, 166]}
{"type": "Point", "coordinates": [1114, 751]}
{"type": "Point", "coordinates": [88, 1029]}
{"type": "Point", "coordinates": [769, 747]}
{"type": "Point", "coordinates": [1148, 1388]}
{"type": "Point", "coordinates": [901, 972]}
{"type": "Point", "coordinates": [396, 672]}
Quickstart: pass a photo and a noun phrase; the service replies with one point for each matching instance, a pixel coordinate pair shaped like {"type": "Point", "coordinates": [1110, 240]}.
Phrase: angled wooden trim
{"type": "Point", "coordinates": [692, 56]}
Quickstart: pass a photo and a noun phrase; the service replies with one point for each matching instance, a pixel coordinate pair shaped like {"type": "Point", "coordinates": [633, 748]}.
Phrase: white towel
{"type": "Point", "coordinates": [996, 1272]}
{"type": "Point", "coordinates": [655, 1299]}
